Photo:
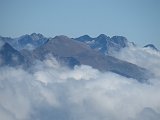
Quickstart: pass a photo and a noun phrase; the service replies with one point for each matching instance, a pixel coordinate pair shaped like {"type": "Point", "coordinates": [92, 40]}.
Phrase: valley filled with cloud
{"type": "Point", "coordinates": [48, 90]}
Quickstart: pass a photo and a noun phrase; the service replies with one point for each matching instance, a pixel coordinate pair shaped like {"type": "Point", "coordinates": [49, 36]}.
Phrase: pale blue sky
{"type": "Point", "coordinates": [138, 20]}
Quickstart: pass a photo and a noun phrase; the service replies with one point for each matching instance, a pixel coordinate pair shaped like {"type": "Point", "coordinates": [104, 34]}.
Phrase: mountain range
{"type": "Point", "coordinates": [105, 44]}
{"type": "Point", "coordinates": [95, 52]}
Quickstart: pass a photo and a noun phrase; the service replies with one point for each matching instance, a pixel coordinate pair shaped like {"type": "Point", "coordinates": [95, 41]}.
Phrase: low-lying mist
{"type": "Point", "coordinates": [144, 57]}
{"type": "Point", "coordinates": [49, 91]}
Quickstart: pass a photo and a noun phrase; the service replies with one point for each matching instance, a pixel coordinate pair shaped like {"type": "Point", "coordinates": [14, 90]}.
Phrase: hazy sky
{"type": "Point", "coordinates": [138, 20]}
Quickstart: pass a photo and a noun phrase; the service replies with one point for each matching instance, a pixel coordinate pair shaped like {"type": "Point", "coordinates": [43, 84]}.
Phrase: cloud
{"type": "Point", "coordinates": [51, 91]}
{"type": "Point", "coordinates": [29, 47]}
{"type": "Point", "coordinates": [144, 57]}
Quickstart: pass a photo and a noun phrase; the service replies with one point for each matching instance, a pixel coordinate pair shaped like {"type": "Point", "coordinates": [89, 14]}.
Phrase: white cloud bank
{"type": "Point", "coordinates": [144, 57]}
{"type": "Point", "coordinates": [49, 91]}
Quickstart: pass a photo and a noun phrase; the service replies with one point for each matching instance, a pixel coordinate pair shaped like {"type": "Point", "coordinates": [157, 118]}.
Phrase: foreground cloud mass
{"type": "Point", "coordinates": [50, 91]}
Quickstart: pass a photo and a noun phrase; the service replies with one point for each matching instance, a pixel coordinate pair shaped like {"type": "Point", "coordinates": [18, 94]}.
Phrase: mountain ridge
{"type": "Point", "coordinates": [71, 52]}
{"type": "Point", "coordinates": [87, 56]}
{"type": "Point", "coordinates": [106, 47]}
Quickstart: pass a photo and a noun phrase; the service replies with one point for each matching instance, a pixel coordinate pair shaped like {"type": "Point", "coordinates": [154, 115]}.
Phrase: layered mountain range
{"type": "Point", "coordinates": [95, 52]}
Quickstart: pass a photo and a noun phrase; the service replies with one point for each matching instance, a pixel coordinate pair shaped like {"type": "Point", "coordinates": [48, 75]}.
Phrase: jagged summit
{"type": "Point", "coordinates": [104, 43]}
{"type": "Point", "coordinates": [85, 38]}
{"type": "Point", "coordinates": [33, 36]}
{"type": "Point", "coordinates": [120, 40]}
{"type": "Point", "coordinates": [29, 42]}
{"type": "Point", "coordinates": [102, 36]}
{"type": "Point", "coordinates": [37, 36]}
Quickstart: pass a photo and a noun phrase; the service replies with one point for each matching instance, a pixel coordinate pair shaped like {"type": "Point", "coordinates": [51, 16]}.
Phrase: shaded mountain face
{"type": "Point", "coordinates": [151, 46]}
{"type": "Point", "coordinates": [6, 40]}
{"type": "Point", "coordinates": [29, 42]}
{"type": "Point", "coordinates": [63, 47]}
{"type": "Point", "coordinates": [10, 56]}
{"type": "Point", "coordinates": [105, 44]}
